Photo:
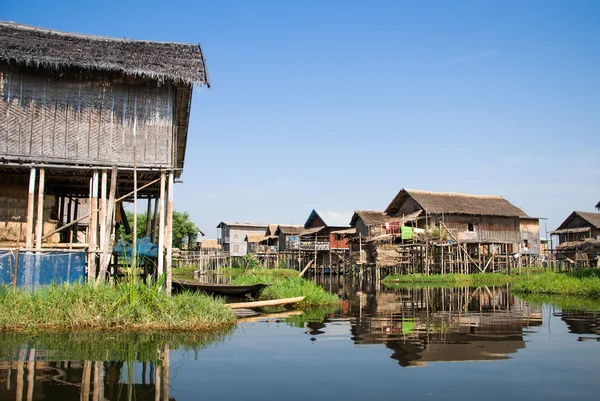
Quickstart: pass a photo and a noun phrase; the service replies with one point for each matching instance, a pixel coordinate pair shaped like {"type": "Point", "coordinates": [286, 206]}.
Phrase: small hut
{"type": "Point", "coordinates": [579, 239]}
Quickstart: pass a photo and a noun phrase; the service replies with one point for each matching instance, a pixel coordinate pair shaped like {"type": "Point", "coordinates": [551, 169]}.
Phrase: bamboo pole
{"type": "Point", "coordinates": [161, 226]}
{"type": "Point", "coordinates": [108, 227]}
{"type": "Point", "coordinates": [93, 228]}
{"type": "Point", "coordinates": [169, 233]}
{"type": "Point", "coordinates": [102, 211]}
{"type": "Point", "coordinates": [39, 224]}
{"type": "Point", "coordinates": [30, 207]}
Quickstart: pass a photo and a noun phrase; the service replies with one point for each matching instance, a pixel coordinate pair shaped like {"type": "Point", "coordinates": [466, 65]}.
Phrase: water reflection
{"type": "Point", "coordinates": [421, 325]}
{"type": "Point", "coordinates": [98, 366]}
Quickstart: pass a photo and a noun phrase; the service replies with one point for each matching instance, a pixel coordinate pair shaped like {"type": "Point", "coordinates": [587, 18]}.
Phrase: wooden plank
{"type": "Point", "coordinates": [272, 302]}
{"type": "Point", "coordinates": [161, 226]}
{"type": "Point", "coordinates": [169, 233]}
{"type": "Point", "coordinates": [39, 224]}
{"type": "Point", "coordinates": [30, 206]}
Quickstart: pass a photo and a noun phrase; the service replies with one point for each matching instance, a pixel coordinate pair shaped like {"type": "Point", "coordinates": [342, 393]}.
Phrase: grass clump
{"type": "Point", "coordinates": [582, 283]}
{"type": "Point", "coordinates": [128, 306]}
{"type": "Point", "coordinates": [290, 287]}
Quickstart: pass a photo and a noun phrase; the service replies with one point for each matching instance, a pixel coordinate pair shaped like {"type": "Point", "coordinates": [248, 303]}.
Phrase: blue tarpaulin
{"type": "Point", "coordinates": [37, 269]}
{"type": "Point", "coordinates": [144, 246]}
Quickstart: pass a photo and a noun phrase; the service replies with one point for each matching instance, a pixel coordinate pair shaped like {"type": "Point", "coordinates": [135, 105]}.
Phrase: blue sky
{"type": "Point", "coordinates": [337, 105]}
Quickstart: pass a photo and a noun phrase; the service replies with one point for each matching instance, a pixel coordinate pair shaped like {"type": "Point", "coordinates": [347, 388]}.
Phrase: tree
{"type": "Point", "coordinates": [185, 232]}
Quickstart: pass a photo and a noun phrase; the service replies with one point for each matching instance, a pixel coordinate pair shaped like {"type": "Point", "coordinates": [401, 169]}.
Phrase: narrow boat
{"type": "Point", "coordinates": [220, 289]}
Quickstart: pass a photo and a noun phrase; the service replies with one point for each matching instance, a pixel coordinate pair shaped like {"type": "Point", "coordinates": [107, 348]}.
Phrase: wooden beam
{"type": "Point", "coordinates": [39, 224]}
{"type": "Point", "coordinates": [161, 226]}
{"type": "Point", "coordinates": [108, 227]}
{"type": "Point", "coordinates": [93, 228]}
{"type": "Point", "coordinates": [30, 207]}
{"type": "Point", "coordinates": [169, 233]}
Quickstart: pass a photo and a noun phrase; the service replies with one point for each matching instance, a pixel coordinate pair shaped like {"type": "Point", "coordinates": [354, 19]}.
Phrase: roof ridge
{"type": "Point", "coordinates": [420, 191]}
{"type": "Point", "coordinates": [86, 35]}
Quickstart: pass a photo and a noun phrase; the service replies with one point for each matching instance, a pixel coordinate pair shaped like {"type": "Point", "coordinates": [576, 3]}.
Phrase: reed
{"type": "Point", "coordinates": [126, 306]}
{"type": "Point", "coordinates": [285, 283]}
{"type": "Point", "coordinates": [582, 283]}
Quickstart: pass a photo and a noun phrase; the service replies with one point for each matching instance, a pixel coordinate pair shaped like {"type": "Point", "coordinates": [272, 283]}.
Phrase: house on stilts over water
{"type": "Point", "coordinates": [87, 118]}
{"type": "Point", "coordinates": [435, 232]}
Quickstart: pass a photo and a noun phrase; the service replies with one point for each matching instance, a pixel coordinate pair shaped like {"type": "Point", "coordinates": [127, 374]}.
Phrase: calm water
{"type": "Point", "coordinates": [423, 343]}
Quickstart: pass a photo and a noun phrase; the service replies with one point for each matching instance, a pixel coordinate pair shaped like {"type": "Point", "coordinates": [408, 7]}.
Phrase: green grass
{"type": "Point", "coordinates": [126, 306]}
{"type": "Point", "coordinates": [582, 283]}
{"type": "Point", "coordinates": [184, 272]}
{"type": "Point", "coordinates": [285, 283]}
{"type": "Point", "coordinates": [291, 287]}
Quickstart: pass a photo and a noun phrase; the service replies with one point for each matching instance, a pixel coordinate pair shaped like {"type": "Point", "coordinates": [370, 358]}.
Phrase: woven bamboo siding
{"type": "Point", "coordinates": [13, 214]}
{"type": "Point", "coordinates": [71, 119]}
{"type": "Point", "coordinates": [485, 228]}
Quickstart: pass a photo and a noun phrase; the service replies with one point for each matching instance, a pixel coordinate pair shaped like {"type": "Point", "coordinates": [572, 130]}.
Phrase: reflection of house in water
{"type": "Point", "coordinates": [35, 374]}
{"type": "Point", "coordinates": [582, 322]}
{"type": "Point", "coordinates": [443, 324]}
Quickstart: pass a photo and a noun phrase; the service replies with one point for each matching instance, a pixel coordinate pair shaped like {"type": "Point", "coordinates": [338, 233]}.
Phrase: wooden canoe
{"type": "Point", "coordinates": [221, 289]}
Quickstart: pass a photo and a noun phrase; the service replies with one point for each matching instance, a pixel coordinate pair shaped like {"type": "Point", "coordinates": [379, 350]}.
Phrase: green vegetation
{"type": "Point", "coordinates": [184, 231]}
{"type": "Point", "coordinates": [584, 283]}
{"type": "Point", "coordinates": [126, 306]}
{"type": "Point", "coordinates": [284, 283]}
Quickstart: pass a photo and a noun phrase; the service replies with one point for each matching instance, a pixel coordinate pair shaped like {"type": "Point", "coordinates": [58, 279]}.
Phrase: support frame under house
{"type": "Point", "coordinates": [98, 126]}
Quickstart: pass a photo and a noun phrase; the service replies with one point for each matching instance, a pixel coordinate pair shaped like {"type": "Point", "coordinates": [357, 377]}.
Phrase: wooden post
{"type": "Point", "coordinates": [108, 227]}
{"type": "Point", "coordinates": [93, 228]}
{"type": "Point", "coordinates": [154, 220]}
{"type": "Point", "coordinates": [39, 224]}
{"type": "Point", "coordinates": [30, 207]}
{"type": "Point", "coordinates": [102, 212]}
{"type": "Point", "coordinates": [149, 218]}
{"type": "Point", "coordinates": [75, 228]}
{"type": "Point", "coordinates": [161, 226]}
{"type": "Point", "coordinates": [169, 233]}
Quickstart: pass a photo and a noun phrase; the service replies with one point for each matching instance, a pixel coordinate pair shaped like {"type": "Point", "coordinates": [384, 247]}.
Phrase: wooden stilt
{"type": "Point", "coordinates": [169, 233]}
{"type": "Point", "coordinates": [155, 220]}
{"type": "Point", "coordinates": [75, 228]}
{"type": "Point", "coordinates": [93, 229]}
{"type": "Point", "coordinates": [161, 225]}
{"type": "Point", "coordinates": [102, 211]}
{"type": "Point", "coordinates": [39, 223]}
{"type": "Point", "coordinates": [149, 218]}
{"type": "Point", "coordinates": [30, 207]}
{"type": "Point", "coordinates": [108, 227]}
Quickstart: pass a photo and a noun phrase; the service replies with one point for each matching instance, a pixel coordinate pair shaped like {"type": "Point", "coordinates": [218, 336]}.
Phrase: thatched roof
{"type": "Point", "coordinates": [345, 231]}
{"type": "Point", "coordinates": [453, 203]}
{"type": "Point", "coordinates": [370, 217]}
{"type": "Point", "coordinates": [253, 238]}
{"type": "Point", "coordinates": [271, 230]}
{"type": "Point", "coordinates": [592, 218]}
{"type": "Point", "coordinates": [310, 231]}
{"type": "Point", "coordinates": [210, 244]}
{"type": "Point", "coordinates": [291, 229]}
{"type": "Point", "coordinates": [57, 50]}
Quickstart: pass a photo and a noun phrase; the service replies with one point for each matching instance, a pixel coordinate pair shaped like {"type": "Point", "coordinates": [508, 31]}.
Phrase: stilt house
{"type": "Point", "coordinates": [579, 239]}
{"type": "Point", "coordinates": [96, 118]}
{"type": "Point", "coordinates": [333, 235]}
{"type": "Point", "coordinates": [232, 236]}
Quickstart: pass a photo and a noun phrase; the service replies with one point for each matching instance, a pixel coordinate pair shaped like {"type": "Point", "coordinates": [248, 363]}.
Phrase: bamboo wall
{"type": "Point", "coordinates": [13, 214]}
{"type": "Point", "coordinates": [48, 117]}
